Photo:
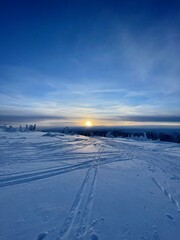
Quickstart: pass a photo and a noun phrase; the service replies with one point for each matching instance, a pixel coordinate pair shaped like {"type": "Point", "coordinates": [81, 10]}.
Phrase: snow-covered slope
{"type": "Point", "coordinates": [73, 187]}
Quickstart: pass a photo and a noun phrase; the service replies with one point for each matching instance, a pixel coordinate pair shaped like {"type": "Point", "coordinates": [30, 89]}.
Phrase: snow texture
{"type": "Point", "coordinates": [56, 186]}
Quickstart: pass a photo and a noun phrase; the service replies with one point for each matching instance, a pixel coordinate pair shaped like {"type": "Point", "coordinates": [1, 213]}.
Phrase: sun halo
{"type": "Point", "coordinates": [88, 124]}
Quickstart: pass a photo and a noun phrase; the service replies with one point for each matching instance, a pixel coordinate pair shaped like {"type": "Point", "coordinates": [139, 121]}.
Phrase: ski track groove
{"type": "Point", "coordinates": [83, 226]}
{"type": "Point", "coordinates": [30, 177]}
{"type": "Point", "coordinates": [74, 209]}
{"type": "Point", "coordinates": [67, 228]}
{"type": "Point", "coordinates": [167, 194]}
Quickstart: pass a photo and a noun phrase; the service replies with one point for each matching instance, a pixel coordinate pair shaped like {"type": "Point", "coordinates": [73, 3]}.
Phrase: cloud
{"type": "Point", "coordinates": [26, 118]}
{"type": "Point", "coordinates": [157, 118]}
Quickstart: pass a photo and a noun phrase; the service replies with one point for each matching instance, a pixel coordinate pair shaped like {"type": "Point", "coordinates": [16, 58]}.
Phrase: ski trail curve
{"type": "Point", "coordinates": [19, 178]}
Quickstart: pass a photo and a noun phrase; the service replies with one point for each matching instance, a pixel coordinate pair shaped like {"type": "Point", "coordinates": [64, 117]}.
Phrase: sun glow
{"type": "Point", "coordinates": [88, 124]}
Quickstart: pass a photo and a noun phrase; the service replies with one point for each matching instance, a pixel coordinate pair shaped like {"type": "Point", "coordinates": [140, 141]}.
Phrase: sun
{"type": "Point", "coordinates": [88, 124]}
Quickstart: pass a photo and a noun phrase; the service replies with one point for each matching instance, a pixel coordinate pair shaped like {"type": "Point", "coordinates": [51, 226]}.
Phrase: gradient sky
{"type": "Point", "coordinates": [112, 62]}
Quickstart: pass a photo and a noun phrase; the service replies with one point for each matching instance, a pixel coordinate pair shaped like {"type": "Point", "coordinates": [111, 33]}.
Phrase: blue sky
{"type": "Point", "coordinates": [114, 63]}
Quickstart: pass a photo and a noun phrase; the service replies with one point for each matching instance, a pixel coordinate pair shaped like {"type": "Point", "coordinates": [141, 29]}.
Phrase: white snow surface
{"type": "Point", "coordinates": [55, 186]}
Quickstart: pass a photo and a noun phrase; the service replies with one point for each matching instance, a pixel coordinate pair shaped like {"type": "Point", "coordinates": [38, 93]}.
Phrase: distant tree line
{"type": "Point", "coordinates": [169, 135]}
{"type": "Point", "coordinates": [27, 128]}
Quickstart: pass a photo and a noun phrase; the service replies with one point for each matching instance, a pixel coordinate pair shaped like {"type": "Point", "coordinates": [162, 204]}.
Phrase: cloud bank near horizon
{"type": "Point", "coordinates": [64, 121]}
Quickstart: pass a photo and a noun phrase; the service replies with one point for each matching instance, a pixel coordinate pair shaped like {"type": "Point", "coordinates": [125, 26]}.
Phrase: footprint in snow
{"type": "Point", "coordinates": [41, 236]}
{"type": "Point", "coordinates": [94, 237]}
{"type": "Point", "coordinates": [170, 217]}
{"type": "Point", "coordinates": [155, 236]}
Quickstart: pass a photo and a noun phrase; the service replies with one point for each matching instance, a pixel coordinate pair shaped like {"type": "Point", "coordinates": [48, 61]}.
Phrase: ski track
{"type": "Point", "coordinates": [34, 176]}
{"type": "Point", "coordinates": [167, 194]}
{"type": "Point", "coordinates": [69, 224]}
{"type": "Point", "coordinates": [68, 230]}
{"type": "Point", "coordinates": [83, 224]}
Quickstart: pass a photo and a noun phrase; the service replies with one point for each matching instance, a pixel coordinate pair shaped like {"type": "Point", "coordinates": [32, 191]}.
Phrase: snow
{"type": "Point", "coordinates": [56, 186]}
